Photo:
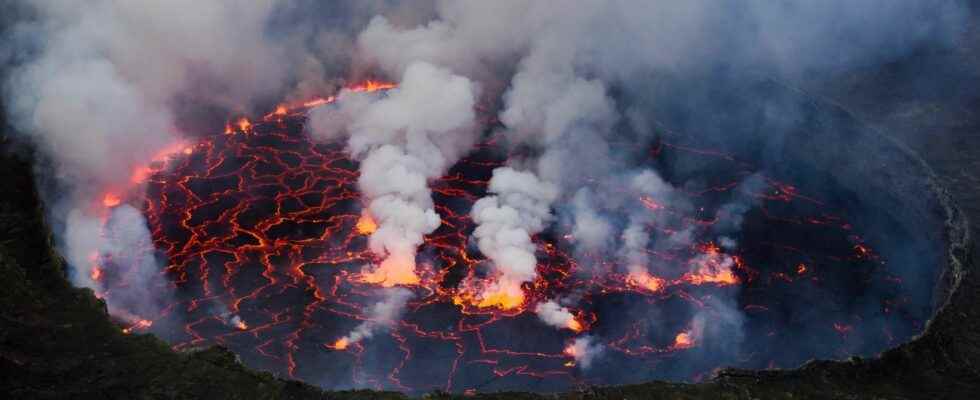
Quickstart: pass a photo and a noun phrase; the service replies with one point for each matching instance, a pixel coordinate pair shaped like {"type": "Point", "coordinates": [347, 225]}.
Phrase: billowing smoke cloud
{"type": "Point", "coordinates": [403, 140]}
{"type": "Point", "coordinates": [382, 314]}
{"type": "Point", "coordinates": [518, 207]}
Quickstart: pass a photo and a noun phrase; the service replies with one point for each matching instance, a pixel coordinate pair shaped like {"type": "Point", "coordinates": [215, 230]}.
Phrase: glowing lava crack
{"type": "Point", "coordinates": [264, 235]}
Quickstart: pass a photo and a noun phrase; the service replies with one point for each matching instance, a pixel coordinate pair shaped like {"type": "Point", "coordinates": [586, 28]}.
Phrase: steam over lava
{"type": "Point", "coordinates": [270, 227]}
{"type": "Point", "coordinates": [506, 209]}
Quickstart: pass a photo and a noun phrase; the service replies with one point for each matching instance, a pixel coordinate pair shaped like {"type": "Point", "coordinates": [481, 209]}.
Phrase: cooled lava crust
{"type": "Point", "coordinates": [263, 238]}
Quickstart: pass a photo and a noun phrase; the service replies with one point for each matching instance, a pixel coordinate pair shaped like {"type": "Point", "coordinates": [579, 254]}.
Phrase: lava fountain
{"type": "Point", "coordinates": [264, 235]}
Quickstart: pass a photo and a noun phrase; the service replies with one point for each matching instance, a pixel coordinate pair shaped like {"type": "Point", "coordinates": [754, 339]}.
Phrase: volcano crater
{"type": "Point", "coordinates": [841, 251]}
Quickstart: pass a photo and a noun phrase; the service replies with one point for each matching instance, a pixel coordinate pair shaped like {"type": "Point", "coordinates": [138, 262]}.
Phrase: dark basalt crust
{"type": "Point", "coordinates": [57, 341]}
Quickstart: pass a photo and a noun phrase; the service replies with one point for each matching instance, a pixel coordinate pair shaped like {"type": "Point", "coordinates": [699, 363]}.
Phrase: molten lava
{"type": "Point", "coordinates": [650, 203]}
{"type": "Point", "coordinates": [244, 125]}
{"type": "Point", "coordinates": [505, 298]}
{"type": "Point", "coordinates": [365, 224]}
{"type": "Point", "coordinates": [372, 86]}
{"type": "Point", "coordinates": [683, 340]}
{"type": "Point", "coordinates": [265, 224]}
{"type": "Point", "coordinates": [643, 279]}
{"type": "Point", "coordinates": [801, 269]}
{"type": "Point", "coordinates": [138, 325]}
{"type": "Point", "coordinates": [96, 273]}
{"type": "Point", "coordinates": [281, 111]}
{"type": "Point", "coordinates": [393, 271]}
{"type": "Point", "coordinates": [712, 266]}
{"type": "Point", "coordinates": [499, 293]}
{"type": "Point", "coordinates": [110, 200]}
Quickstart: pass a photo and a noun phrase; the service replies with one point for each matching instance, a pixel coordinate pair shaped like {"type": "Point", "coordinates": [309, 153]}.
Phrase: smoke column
{"type": "Point", "coordinates": [403, 140]}
{"type": "Point", "coordinates": [518, 208]}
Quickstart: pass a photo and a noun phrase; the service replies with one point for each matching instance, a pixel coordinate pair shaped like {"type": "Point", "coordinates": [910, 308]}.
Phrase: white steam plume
{"type": "Point", "coordinates": [403, 140]}
{"type": "Point", "coordinates": [128, 247]}
{"type": "Point", "coordinates": [564, 60]}
{"type": "Point", "coordinates": [547, 106]}
{"type": "Point", "coordinates": [381, 315]}
{"type": "Point", "coordinates": [591, 230]}
{"type": "Point", "coordinates": [557, 316]}
{"type": "Point", "coordinates": [648, 190]}
{"type": "Point", "coordinates": [518, 207]}
{"type": "Point", "coordinates": [107, 83]}
{"type": "Point", "coordinates": [584, 350]}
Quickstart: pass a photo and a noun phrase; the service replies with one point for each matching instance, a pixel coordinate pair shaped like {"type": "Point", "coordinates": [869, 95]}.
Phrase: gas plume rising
{"type": "Point", "coordinates": [120, 95]}
{"type": "Point", "coordinates": [286, 259]}
{"type": "Point", "coordinates": [410, 136]}
{"type": "Point", "coordinates": [555, 315]}
{"type": "Point", "coordinates": [518, 208]}
{"type": "Point", "coordinates": [381, 314]}
{"type": "Point", "coordinates": [584, 350]}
